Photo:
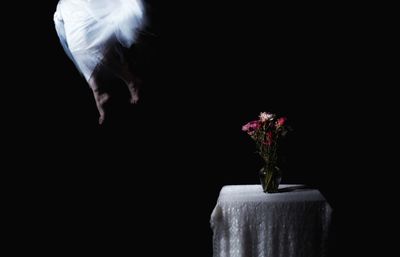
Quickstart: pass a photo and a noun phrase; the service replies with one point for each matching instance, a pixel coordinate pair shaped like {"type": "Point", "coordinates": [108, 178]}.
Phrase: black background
{"type": "Point", "coordinates": [150, 177]}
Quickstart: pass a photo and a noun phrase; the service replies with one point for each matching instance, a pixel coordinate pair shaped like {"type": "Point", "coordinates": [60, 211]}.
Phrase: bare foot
{"type": "Point", "coordinates": [101, 119]}
{"type": "Point", "coordinates": [134, 99]}
{"type": "Point", "coordinates": [134, 93]}
{"type": "Point", "coordinates": [101, 100]}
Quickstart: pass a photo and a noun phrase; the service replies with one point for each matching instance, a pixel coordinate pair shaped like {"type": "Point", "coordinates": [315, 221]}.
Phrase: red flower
{"type": "Point", "coordinates": [280, 122]}
{"type": "Point", "coordinates": [268, 138]}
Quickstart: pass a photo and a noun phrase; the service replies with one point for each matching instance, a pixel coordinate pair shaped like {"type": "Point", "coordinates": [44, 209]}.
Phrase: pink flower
{"type": "Point", "coordinates": [266, 132]}
{"type": "Point", "coordinates": [251, 126]}
{"type": "Point", "coordinates": [280, 122]}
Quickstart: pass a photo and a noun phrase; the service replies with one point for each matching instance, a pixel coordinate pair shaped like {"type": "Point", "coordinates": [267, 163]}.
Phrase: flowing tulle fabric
{"type": "Point", "coordinates": [89, 29]}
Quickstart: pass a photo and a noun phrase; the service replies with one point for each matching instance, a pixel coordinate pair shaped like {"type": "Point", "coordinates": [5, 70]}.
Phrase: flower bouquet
{"type": "Point", "coordinates": [267, 132]}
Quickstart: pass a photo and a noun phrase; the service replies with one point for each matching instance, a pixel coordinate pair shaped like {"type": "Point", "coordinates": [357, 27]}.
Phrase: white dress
{"type": "Point", "coordinates": [88, 29]}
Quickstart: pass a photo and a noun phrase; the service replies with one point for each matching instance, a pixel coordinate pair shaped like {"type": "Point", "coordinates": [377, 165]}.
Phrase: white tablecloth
{"type": "Point", "coordinates": [247, 222]}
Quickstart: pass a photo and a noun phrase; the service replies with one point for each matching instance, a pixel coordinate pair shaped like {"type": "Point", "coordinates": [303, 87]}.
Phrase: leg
{"type": "Point", "coordinates": [122, 71]}
{"type": "Point", "coordinates": [115, 61]}
{"type": "Point", "coordinates": [133, 85]}
{"type": "Point", "coordinates": [100, 98]}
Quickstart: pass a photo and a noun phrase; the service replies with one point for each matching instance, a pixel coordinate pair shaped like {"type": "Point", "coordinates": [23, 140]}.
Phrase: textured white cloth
{"type": "Point", "coordinates": [249, 223]}
{"type": "Point", "coordinates": [88, 29]}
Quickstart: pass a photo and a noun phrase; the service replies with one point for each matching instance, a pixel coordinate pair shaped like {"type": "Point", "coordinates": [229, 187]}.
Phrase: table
{"type": "Point", "coordinates": [247, 222]}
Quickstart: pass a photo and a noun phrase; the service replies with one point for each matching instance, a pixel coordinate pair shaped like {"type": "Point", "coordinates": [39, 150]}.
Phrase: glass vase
{"type": "Point", "coordinates": [270, 178]}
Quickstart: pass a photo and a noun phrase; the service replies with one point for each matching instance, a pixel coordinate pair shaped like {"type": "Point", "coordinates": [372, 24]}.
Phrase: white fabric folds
{"type": "Point", "coordinates": [247, 222]}
{"type": "Point", "coordinates": [88, 29]}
